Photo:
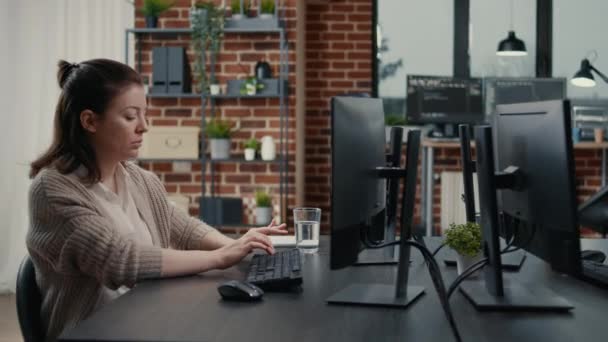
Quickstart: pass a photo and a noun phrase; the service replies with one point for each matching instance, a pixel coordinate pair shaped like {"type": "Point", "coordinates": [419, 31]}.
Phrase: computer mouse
{"type": "Point", "coordinates": [240, 291]}
{"type": "Point", "coordinates": [597, 256]}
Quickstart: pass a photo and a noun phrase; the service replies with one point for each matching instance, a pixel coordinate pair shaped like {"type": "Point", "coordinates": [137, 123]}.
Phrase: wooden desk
{"type": "Point", "coordinates": [428, 177]}
{"type": "Point", "coordinates": [190, 309]}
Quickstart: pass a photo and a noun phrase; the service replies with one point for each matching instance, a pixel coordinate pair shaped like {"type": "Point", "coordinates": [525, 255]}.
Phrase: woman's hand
{"type": "Point", "coordinates": [254, 238]}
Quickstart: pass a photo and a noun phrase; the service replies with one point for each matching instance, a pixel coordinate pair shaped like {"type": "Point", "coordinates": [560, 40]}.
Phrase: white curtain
{"type": "Point", "coordinates": [34, 35]}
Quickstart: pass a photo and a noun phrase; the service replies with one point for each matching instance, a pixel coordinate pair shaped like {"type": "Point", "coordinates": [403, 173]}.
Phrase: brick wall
{"type": "Point", "coordinates": [257, 117]}
{"type": "Point", "coordinates": [338, 61]}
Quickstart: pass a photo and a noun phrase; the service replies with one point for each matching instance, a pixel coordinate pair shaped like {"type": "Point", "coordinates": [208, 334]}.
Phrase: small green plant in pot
{"type": "Point", "coordinates": [465, 239]}
{"type": "Point", "coordinates": [207, 22]}
{"type": "Point", "coordinates": [151, 9]}
{"type": "Point", "coordinates": [251, 147]}
{"type": "Point", "coordinates": [235, 9]}
{"type": "Point", "coordinates": [267, 9]}
{"type": "Point", "coordinates": [263, 210]}
{"type": "Point", "coordinates": [391, 120]}
{"type": "Point", "coordinates": [218, 132]}
{"type": "Point", "coordinates": [251, 85]}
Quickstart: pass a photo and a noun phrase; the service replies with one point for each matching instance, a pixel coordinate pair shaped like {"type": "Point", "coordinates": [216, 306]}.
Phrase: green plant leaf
{"type": "Point", "coordinates": [218, 129]}
{"type": "Point", "coordinates": [464, 238]}
{"type": "Point", "coordinates": [153, 8]}
{"type": "Point", "coordinates": [262, 199]}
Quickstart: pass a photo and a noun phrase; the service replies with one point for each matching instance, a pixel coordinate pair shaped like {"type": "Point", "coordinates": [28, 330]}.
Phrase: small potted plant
{"type": "Point", "coordinates": [251, 85]}
{"type": "Point", "coordinates": [151, 9]}
{"type": "Point", "coordinates": [214, 87]}
{"type": "Point", "coordinates": [465, 239]}
{"type": "Point", "coordinates": [263, 210]}
{"type": "Point", "coordinates": [251, 146]}
{"type": "Point", "coordinates": [267, 9]}
{"type": "Point", "coordinates": [218, 132]}
{"type": "Point", "coordinates": [235, 9]}
{"type": "Point", "coordinates": [391, 120]}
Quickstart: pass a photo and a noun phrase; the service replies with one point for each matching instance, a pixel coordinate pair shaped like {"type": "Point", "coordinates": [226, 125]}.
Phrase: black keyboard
{"type": "Point", "coordinates": [278, 272]}
{"type": "Point", "coordinates": [595, 271]}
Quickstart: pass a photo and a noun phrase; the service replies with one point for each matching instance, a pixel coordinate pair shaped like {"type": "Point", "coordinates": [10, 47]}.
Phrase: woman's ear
{"type": "Point", "coordinates": [88, 120]}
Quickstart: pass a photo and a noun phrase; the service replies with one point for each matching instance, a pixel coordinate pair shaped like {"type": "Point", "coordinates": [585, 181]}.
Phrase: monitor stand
{"type": "Point", "coordinates": [399, 295]}
{"type": "Point", "coordinates": [492, 294]}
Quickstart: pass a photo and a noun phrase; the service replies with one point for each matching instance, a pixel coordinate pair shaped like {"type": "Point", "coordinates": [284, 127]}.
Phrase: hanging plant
{"type": "Point", "coordinates": [207, 33]}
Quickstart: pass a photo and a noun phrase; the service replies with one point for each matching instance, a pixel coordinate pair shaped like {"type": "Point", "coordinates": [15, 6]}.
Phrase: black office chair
{"type": "Point", "coordinates": [29, 301]}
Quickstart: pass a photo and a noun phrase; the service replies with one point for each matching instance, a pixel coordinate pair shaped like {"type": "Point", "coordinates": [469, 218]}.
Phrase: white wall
{"type": "Point", "coordinates": [490, 23]}
{"type": "Point", "coordinates": [421, 32]}
{"type": "Point", "coordinates": [579, 27]}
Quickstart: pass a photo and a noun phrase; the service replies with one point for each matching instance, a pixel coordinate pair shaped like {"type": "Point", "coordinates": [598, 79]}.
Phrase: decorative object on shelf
{"type": "Point", "coordinates": [262, 70]}
{"type": "Point", "coordinates": [511, 46]}
{"type": "Point", "coordinates": [218, 132]}
{"type": "Point", "coordinates": [263, 210]}
{"type": "Point", "coordinates": [214, 87]}
{"type": "Point", "coordinates": [598, 134]}
{"type": "Point", "coordinates": [235, 9]}
{"type": "Point", "coordinates": [465, 239]}
{"type": "Point", "coordinates": [251, 147]}
{"type": "Point", "coordinates": [267, 9]}
{"type": "Point", "coordinates": [207, 23]}
{"type": "Point", "coordinates": [151, 9]}
{"type": "Point", "coordinates": [166, 142]}
{"type": "Point", "coordinates": [268, 150]}
{"type": "Point", "coordinates": [251, 85]}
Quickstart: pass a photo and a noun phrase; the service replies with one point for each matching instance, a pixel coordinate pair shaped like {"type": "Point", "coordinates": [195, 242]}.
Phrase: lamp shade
{"type": "Point", "coordinates": [584, 77]}
{"type": "Point", "coordinates": [511, 46]}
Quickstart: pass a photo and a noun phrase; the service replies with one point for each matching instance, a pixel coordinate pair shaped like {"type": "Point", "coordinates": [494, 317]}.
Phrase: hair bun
{"type": "Point", "coordinates": [64, 72]}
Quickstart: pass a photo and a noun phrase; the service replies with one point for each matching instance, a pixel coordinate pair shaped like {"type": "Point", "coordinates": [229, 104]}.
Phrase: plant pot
{"type": "Point", "coordinates": [214, 89]}
{"type": "Point", "coordinates": [251, 89]}
{"type": "Point", "coordinates": [266, 16]}
{"type": "Point", "coordinates": [237, 16]}
{"type": "Point", "coordinates": [249, 154]}
{"type": "Point", "coordinates": [464, 261]}
{"type": "Point", "coordinates": [151, 22]}
{"type": "Point", "coordinates": [220, 148]}
{"type": "Point", "coordinates": [263, 215]}
{"type": "Point", "coordinates": [268, 150]}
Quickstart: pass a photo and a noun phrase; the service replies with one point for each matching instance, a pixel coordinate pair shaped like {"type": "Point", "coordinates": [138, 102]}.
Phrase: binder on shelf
{"type": "Point", "coordinates": [159, 70]}
{"type": "Point", "coordinates": [178, 72]}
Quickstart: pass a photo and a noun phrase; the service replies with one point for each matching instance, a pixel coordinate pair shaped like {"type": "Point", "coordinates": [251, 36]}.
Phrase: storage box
{"type": "Point", "coordinates": [170, 143]}
{"type": "Point", "coordinates": [221, 210]}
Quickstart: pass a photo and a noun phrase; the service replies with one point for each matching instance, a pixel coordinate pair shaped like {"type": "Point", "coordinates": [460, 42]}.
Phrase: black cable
{"type": "Point", "coordinates": [465, 274]}
{"type": "Point", "coordinates": [435, 273]}
{"type": "Point", "coordinates": [438, 249]}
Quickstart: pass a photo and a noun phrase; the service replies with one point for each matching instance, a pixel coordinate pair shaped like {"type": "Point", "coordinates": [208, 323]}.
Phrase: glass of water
{"type": "Point", "coordinates": [307, 221]}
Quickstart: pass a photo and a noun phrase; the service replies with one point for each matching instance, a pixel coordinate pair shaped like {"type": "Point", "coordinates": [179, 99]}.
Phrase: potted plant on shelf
{"type": "Point", "coordinates": [218, 132]}
{"type": "Point", "coordinates": [214, 87]}
{"type": "Point", "coordinates": [207, 21]}
{"type": "Point", "coordinates": [267, 9]}
{"type": "Point", "coordinates": [251, 147]}
{"type": "Point", "coordinates": [251, 85]}
{"type": "Point", "coordinates": [151, 9]}
{"type": "Point", "coordinates": [263, 210]}
{"type": "Point", "coordinates": [465, 239]}
{"type": "Point", "coordinates": [235, 9]}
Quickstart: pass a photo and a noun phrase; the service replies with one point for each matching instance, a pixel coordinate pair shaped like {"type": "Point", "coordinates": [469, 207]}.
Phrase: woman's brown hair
{"type": "Point", "coordinates": [91, 85]}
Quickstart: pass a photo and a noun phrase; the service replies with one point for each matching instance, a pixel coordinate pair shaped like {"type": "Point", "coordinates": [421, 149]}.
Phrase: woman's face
{"type": "Point", "coordinates": [118, 133]}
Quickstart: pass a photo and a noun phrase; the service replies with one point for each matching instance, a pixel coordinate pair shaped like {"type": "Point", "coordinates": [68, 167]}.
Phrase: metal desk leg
{"type": "Point", "coordinates": [427, 189]}
{"type": "Point", "coordinates": [603, 167]}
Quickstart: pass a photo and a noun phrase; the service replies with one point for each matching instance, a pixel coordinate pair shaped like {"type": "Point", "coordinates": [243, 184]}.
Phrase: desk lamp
{"type": "Point", "coordinates": [584, 77]}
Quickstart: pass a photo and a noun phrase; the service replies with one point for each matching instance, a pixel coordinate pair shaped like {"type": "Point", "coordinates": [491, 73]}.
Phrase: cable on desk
{"type": "Point", "coordinates": [435, 273]}
{"type": "Point", "coordinates": [438, 249]}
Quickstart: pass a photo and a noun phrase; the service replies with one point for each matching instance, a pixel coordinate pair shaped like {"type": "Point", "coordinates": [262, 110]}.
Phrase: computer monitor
{"type": "Point", "coordinates": [444, 101]}
{"type": "Point", "coordinates": [593, 213]}
{"type": "Point", "coordinates": [358, 193]}
{"type": "Point", "coordinates": [535, 181]}
{"type": "Point", "coordinates": [507, 90]}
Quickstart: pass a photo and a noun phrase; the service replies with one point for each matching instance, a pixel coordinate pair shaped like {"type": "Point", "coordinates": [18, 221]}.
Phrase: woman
{"type": "Point", "coordinates": [100, 224]}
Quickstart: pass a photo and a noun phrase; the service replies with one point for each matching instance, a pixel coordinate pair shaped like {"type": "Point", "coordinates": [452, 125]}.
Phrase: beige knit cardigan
{"type": "Point", "coordinates": [78, 253]}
